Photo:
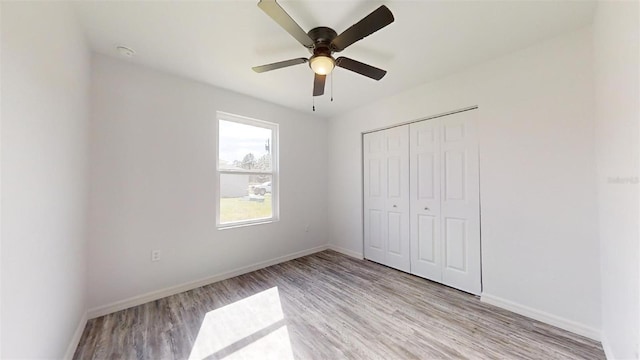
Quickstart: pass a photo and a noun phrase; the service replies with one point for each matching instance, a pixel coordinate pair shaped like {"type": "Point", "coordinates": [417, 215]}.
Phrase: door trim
{"type": "Point", "coordinates": [469, 108]}
{"type": "Point", "coordinates": [473, 107]}
{"type": "Point", "coordinates": [411, 122]}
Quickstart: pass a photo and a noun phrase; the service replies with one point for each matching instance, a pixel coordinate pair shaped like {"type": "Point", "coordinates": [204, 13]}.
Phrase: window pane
{"type": "Point", "coordinates": [244, 147]}
{"type": "Point", "coordinates": [244, 197]}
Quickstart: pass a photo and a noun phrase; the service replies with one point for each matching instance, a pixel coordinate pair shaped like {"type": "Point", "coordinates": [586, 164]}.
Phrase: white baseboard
{"type": "Point", "coordinates": [75, 340]}
{"type": "Point", "coordinates": [606, 346]}
{"type": "Point", "coordinates": [542, 316]}
{"type": "Point", "coordinates": [347, 252]}
{"type": "Point", "coordinates": [159, 294]}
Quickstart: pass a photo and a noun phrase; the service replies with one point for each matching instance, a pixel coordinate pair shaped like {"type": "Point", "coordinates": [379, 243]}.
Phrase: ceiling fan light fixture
{"type": "Point", "coordinates": [322, 64]}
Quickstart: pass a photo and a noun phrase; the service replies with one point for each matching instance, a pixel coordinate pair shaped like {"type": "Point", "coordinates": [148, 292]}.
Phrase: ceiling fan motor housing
{"type": "Point", "coordinates": [322, 37]}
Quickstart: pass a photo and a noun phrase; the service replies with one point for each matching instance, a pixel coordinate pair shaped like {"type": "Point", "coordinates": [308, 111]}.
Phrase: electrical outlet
{"type": "Point", "coordinates": [155, 255]}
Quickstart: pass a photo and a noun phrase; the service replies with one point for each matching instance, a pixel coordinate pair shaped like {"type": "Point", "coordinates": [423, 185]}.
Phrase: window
{"type": "Point", "coordinates": [247, 171]}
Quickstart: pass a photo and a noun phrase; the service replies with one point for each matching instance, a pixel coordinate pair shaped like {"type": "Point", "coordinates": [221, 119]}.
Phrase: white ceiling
{"type": "Point", "coordinates": [217, 42]}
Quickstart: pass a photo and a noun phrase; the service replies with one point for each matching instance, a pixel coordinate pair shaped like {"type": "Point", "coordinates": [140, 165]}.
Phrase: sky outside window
{"type": "Point", "coordinates": [238, 140]}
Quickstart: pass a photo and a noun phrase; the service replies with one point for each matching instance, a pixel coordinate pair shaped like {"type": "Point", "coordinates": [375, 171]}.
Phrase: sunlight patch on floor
{"type": "Point", "coordinates": [276, 345]}
{"type": "Point", "coordinates": [250, 328]}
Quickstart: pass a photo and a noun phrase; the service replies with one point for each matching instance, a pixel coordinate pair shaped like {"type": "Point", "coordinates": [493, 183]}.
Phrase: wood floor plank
{"type": "Point", "coordinates": [330, 306]}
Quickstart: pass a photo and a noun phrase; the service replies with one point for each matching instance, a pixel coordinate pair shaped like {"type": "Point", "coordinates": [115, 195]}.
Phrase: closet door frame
{"type": "Point", "coordinates": [476, 290]}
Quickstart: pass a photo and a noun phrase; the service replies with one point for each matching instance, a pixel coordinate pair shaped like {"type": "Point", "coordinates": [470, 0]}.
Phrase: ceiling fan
{"type": "Point", "coordinates": [322, 42]}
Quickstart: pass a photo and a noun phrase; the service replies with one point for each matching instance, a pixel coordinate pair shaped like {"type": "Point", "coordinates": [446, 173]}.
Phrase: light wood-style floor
{"type": "Point", "coordinates": [326, 306]}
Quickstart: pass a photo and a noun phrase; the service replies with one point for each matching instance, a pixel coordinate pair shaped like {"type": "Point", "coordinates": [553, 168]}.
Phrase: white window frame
{"type": "Point", "coordinates": [273, 147]}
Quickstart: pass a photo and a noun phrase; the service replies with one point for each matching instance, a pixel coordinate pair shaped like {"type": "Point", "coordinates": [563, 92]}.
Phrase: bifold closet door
{"type": "Point", "coordinates": [445, 201]}
{"type": "Point", "coordinates": [460, 202]}
{"type": "Point", "coordinates": [426, 258]}
{"type": "Point", "coordinates": [386, 197]}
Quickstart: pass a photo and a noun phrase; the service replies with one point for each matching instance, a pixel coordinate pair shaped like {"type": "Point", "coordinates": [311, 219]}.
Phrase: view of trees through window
{"type": "Point", "coordinates": [245, 167]}
{"type": "Point", "coordinates": [249, 162]}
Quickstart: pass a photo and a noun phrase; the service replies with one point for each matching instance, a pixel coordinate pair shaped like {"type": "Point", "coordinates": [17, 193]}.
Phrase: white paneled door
{"type": "Point", "coordinates": [422, 199]}
{"type": "Point", "coordinates": [386, 200]}
{"type": "Point", "coordinates": [460, 202]}
{"type": "Point", "coordinates": [445, 201]}
{"type": "Point", "coordinates": [426, 252]}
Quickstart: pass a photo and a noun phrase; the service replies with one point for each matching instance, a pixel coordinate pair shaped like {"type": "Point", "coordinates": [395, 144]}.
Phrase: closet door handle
{"type": "Point", "coordinates": [395, 206]}
{"type": "Point", "coordinates": [426, 208]}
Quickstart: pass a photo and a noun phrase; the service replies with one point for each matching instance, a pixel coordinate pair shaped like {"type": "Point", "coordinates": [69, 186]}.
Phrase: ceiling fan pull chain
{"type": "Point", "coordinates": [332, 86]}
{"type": "Point", "coordinates": [313, 99]}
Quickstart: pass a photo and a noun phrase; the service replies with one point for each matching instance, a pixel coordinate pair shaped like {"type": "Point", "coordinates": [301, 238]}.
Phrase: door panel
{"type": "Point", "coordinates": [454, 175]}
{"type": "Point", "coordinates": [395, 233]}
{"type": "Point", "coordinates": [374, 144]}
{"type": "Point", "coordinates": [394, 140]}
{"type": "Point", "coordinates": [398, 253]}
{"type": "Point", "coordinates": [425, 172]}
{"type": "Point", "coordinates": [374, 178]}
{"type": "Point", "coordinates": [455, 244]}
{"type": "Point", "coordinates": [426, 235]}
{"type": "Point", "coordinates": [453, 131]}
{"type": "Point", "coordinates": [426, 259]}
{"type": "Point", "coordinates": [386, 201]}
{"type": "Point", "coordinates": [460, 215]}
{"type": "Point", "coordinates": [394, 180]}
{"type": "Point", "coordinates": [375, 228]}
{"type": "Point", "coordinates": [424, 135]}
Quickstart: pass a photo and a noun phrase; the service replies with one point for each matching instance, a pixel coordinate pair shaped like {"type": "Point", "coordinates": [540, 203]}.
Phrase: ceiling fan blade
{"type": "Point", "coordinates": [277, 13]}
{"type": "Point", "coordinates": [318, 84]}
{"type": "Point", "coordinates": [279, 65]}
{"type": "Point", "coordinates": [360, 68]}
{"type": "Point", "coordinates": [371, 23]}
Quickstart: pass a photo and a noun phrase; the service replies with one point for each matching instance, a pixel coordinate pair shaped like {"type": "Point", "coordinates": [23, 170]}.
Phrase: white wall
{"type": "Point", "coordinates": [45, 83]}
{"type": "Point", "coordinates": [152, 177]}
{"type": "Point", "coordinates": [537, 166]}
{"type": "Point", "coordinates": [616, 50]}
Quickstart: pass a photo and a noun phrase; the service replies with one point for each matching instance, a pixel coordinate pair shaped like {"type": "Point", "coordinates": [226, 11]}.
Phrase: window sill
{"type": "Point", "coordinates": [245, 224]}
